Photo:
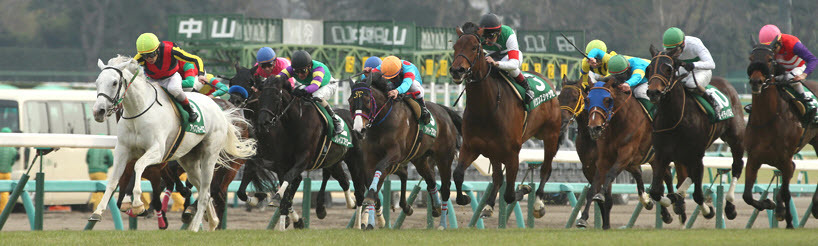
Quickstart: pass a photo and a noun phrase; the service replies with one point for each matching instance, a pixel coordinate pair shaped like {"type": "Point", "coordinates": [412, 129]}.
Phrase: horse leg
{"type": "Point", "coordinates": [467, 156]}
{"type": "Point", "coordinates": [589, 171]}
{"type": "Point", "coordinates": [120, 161]}
{"type": "Point", "coordinates": [749, 180]}
{"type": "Point", "coordinates": [660, 174]}
{"type": "Point", "coordinates": [285, 205]}
{"type": "Point", "coordinates": [784, 196]}
{"type": "Point", "coordinates": [444, 167]}
{"type": "Point", "coordinates": [297, 221]}
{"type": "Point", "coordinates": [152, 156]}
{"type": "Point", "coordinates": [636, 172]}
{"type": "Point", "coordinates": [545, 174]}
{"type": "Point", "coordinates": [156, 200]}
{"type": "Point", "coordinates": [320, 210]}
{"type": "Point", "coordinates": [734, 137]}
{"type": "Point", "coordinates": [497, 179]}
{"type": "Point", "coordinates": [606, 203]}
{"type": "Point", "coordinates": [698, 193]}
{"type": "Point", "coordinates": [338, 174]}
{"type": "Point", "coordinates": [191, 215]}
{"type": "Point", "coordinates": [425, 169]}
{"type": "Point", "coordinates": [512, 165]}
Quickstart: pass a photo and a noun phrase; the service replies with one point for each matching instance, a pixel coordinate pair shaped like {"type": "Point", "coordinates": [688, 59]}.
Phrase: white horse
{"type": "Point", "coordinates": [148, 128]}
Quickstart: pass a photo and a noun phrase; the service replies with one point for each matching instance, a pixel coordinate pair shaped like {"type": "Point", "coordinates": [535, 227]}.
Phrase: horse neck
{"type": "Point", "coordinates": [482, 95]}
{"type": "Point", "coordinates": [670, 107]}
{"type": "Point", "coordinates": [135, 99]}
{"type": "Point", "coordinates": [768, 103]}
{"type": "Point", "coordinates": [385, 108]}
{"type": "Point", "coordinates": [625, 115]}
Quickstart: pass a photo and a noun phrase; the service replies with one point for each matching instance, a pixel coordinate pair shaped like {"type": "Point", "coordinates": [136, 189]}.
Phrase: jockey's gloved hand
{"type": "Point", "coordinates": [688, 66]}
{"type": "Point", "coordinates": [300, 92]}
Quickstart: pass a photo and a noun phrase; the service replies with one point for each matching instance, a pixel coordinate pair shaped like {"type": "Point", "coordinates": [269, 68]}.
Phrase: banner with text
{"type": "Point", "coordinates": [297, 31]}
{"type": "Point", "coordinates": [223, 29]}
{"type": "Point", "coordinates": [373, 34]}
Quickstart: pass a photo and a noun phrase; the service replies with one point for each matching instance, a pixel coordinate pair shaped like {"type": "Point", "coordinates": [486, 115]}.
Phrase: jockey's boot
{"type": "Point", "coordinates": [193, 116]}
{"type": "Point", "coordinates": [338, 127]}
{"type": "Point", "coordinates": [424, 112]}
{"type": "Point", "coordinates": [529, 94]}
{"type": "Point", "coordinates": [711, 98]}
{"type": "Point", "coordinates": [809, 110]}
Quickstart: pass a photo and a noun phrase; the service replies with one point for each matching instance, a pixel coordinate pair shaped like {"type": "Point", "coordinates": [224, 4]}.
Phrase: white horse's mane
{"type": "Point", "coordinates": [119, 59]}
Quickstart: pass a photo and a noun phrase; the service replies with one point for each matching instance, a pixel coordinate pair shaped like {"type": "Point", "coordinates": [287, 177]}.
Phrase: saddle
{"type": "Point", "coordinates": [800, 109]}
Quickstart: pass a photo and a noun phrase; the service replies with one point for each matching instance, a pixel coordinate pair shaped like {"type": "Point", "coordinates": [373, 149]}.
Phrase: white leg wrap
{"type": "Point", "coordinates": [644, 199]}
{"type": "Point", "coordinates": [381, 220]}
{"type": "Point", "coordinates": [731, 193]}
{"type": "Point", "coordinates": [252, 201]}
{"type": "Point", "coordinates": [664, 201]}
{"type": "Point", "coordinates": [293, 216]}
{"type": "Point", "coordinates": [705, 208]}
{"type": "Point", "coordinates": [357, 224]}
{"type": "Point", "coordinates": [364, 216]}
{"type": "Point", "coordinates": [283, 188]}
{"type": "Point", "coordinates": [683, 188]}
{"type": "Point", "coordinates": [350, 201]}
{"type": "Point", "coordinates": [282, 224]}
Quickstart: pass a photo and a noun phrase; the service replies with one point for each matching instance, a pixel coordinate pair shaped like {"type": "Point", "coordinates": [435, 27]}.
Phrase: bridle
{"type": "Point", "coordinates": [607, 112]}
{"type": "Point", "coordinates": [467, 76]}
{"type": "Point", "coordinates": [580, 104]}
{"type": "Point", "coordinates": [668, 83]}
{"type": "Point", "coordinates": [272, 122]}
{"type": "Point", "coordinates": [357, 94]}
{"type": "Point", "coordinates": [117, 99]}
{"type": "Point", "coordinates": [769, 77]}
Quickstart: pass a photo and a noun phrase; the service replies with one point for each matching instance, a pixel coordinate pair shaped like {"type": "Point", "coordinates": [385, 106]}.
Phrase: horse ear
{"type": "Point", "coordinates": [480, 32]}
{"type": "Point", "coordinates": [459, 31]}
{"type": "Point", "coordinates": [753, 41]}
{"type": "Point", "coordinates": [653, 50]}
{"type": "Point", "coordinates": [100, 64]}
{"type": "Point", "coordinates": [236, 65]}
{"type": "Point", "coordinates": [564, 80]}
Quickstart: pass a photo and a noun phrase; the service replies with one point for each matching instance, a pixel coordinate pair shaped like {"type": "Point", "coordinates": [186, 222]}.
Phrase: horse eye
{"type": "Point", "coordinates": [474, 48]}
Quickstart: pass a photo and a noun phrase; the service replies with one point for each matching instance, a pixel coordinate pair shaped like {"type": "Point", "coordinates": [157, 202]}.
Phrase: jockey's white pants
{"type": "Point", "coordinates": [326, 92]}
{"type": "Point", "coordinates": [698, 79]}
{"type": "Point", "coordinates": [416, 88]}
{"type": "Point", "coordinates": [640, 91]}
{"type": "Point", "coordinates": [791, 74]}
{"type": "Point", "coordinates": [516, 71]}
{"type": "Point", "coordinates": [173, 84]}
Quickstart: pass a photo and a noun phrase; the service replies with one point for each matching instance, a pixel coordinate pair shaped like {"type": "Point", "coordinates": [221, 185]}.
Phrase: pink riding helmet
{"type": "Point", "coordinates": [768, 33]}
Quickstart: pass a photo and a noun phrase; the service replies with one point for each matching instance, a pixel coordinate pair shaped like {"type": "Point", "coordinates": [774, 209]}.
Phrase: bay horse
{"type": "Point", "coordinates": [496, 124]}
{"type": "Point", "coordinates": [572, 103]}
{"type": "Point", "coordinates": [243, 93]}
{"type": "Point", "coordinates": [774, 131]}
{"type": "Point", "coordinates": [682, 133]}
{"type": "Point", "coordinates": [391, 137]}
{"type": "Point", "coordinates": [290, 132]}
{"type": "Point", "coordinates": [148, 130]}
{"type": "Point", "coordinates": [622, 131]}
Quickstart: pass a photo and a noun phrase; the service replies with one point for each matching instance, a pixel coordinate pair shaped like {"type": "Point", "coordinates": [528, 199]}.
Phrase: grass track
{"type": "Point", "coordinates": [420, 237]}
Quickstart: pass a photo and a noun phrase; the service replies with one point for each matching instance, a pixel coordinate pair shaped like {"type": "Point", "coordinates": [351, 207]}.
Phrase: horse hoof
{"type": "Point", "coordinates": [95, 217]}
{"type": "Point", "coordinates": [187, 215]}
{"type": "Point", "coordinates": [767, 204]}
{"type": "Point", "coordinates": [599, 198]}
{"type": "Point", "coordinates": [408, 211]}
{"type": "Point", "coordinates": [299, 224]}
{"type": "Point", "coordinates": [539, 209]}
{"type": "Point", "coordinates": [730, 211]}
{"type": "Point", "coordinates": [522, 190]}
{"type": "Point", "coordinates": [371, 197]}
{"type": "Point", "coordinates": [780, 212]}
{"type": "Point", "coordinates": [287, 222]}
{"type": "Point", "coordinates": [463, 200]}
{"type": "Point", "coordinates": [648, 206]}
{"type": "Point", "coordinates": [125, 206]}
{"type": "Point", "coordinates": [436, 211]}
{"type": "Point", "coordinates": [675, 197]}
{"type": "Point", "coordinates": [275, 201]}
{"type": "Point", "coordinates": [369, 228]}
{"type": "Point", "coordinates": [815, 212]}
{"type": "Point", "coordinates": [486, 212]}
{"type": "Point", "coordinates": [440, 228]}
{"type": "Point", "coordinates": [666, 217]}
{"type": "Point", "coordinates": [679, 207]}
{"type": "Point", "coordinates": [683, 218]}
{"type": "Point", "coordinates": [321, 213]}
{"type": "Point", "coordinates": [581, 223]}
{"type": "Point", "coordinates": [711, 214]}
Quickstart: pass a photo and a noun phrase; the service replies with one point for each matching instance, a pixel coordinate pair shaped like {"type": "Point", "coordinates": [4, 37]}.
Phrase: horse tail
{"type": "Point", "coordinates": [458, 122]}
{"type": "Point", "coordinates": [235, 147]}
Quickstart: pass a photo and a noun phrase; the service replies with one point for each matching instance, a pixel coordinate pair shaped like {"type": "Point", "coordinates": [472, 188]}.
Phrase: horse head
{"type": "Point", "coordinates": [274, 99]}
{"type": "Point", "coordinates": [572, 100]}
{"type": "Point", "coordinates": [763, 68]}
{"type": "Point", "coordinates": [365, 99]}
{"type": "Point", "coordinates": [468, 53]}
{"type": "Point", "coordinates": [662, 72]}
{"type": "Point", "coordinates": [241, 85]}
{"type": "Point", "coordinates": [600, 105]}
{"type": "Point", "coordinates": [111, 82]}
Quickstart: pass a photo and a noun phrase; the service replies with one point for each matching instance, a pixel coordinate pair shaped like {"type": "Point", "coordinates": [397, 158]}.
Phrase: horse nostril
{"type": "Point", "coordinates": [101, 111]}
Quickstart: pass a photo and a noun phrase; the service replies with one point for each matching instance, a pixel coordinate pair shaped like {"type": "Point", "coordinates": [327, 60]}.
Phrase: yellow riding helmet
{"type": "Point", "coordinates": [391, 67]}
{"type": "Point", "coordinates": [596, 43]}
{"type": "Point", "coordinates": [147, 43]}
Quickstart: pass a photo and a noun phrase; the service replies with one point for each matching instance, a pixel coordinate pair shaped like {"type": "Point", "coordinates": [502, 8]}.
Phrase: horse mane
{"type": "Point", "coordinates": [119, 59]}
{"type": "Point", "coordinates": [470, 28]}
{"type": "Point", "coordinates": [379, 82]}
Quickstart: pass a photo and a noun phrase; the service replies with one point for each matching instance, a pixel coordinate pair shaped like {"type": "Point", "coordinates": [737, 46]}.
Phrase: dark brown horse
{"type": "Point", "coordinates": [572, 103]}
{"type": "Point", "coordinates": [774, 132]}
{"type": "Point", "coordinates": [622, 131]}
{"type": "Point", "coordinates": [682, 133]}
{"type": "Point", "coordinates": [496, 124]}
{"type": "Point", "coordinates": [392, 138]}
{"type": "Point", "coordinates": [291, 133]}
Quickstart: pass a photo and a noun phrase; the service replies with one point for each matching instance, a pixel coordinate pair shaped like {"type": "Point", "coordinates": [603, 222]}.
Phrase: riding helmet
{"type": "Point", "coordinates": [265, 55]}
{"type": "Point", "coordinates": [768, 33]}
{"type": "Point", "coordinates": [301, 59]}
{"type": "Point", "coordinates": [673, 37]}
{"type": "Point", "coordinates": [147, 43]}
{"type": "Point", "coordinates": [618, 64]}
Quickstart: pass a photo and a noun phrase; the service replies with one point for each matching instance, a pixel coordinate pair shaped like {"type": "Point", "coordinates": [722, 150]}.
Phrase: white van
{"type": "Point", "coordinates": [53, 111]}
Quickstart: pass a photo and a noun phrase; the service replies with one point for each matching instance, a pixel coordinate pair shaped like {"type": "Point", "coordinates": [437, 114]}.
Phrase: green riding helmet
{"type": "Point", "coordinates": [673, 38]}
{"type": "Point", "coordinates": [617, 65]}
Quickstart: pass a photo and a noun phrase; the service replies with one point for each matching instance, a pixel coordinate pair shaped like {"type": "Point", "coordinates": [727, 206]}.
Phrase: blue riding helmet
{"type": "Point", "coordinates": [265, 55]}
{"type": "Point", "coordinates": [596, 98]}
{"type": "Point", "coordinates": [240, 90]}
{"type": "Point", "coordinates": [373, 62]}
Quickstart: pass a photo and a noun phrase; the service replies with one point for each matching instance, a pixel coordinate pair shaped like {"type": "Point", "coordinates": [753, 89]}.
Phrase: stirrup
{"type": "Point", "coordinates": [193, 116]}
{"type": "Point", "coordinates": [748, 108]}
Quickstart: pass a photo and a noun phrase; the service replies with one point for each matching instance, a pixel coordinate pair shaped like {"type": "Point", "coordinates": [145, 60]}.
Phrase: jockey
{"type": "Point", "coordinates": [189, 82]}
{"type": "Point", "coordinates": [267, 64]}
{"type": "Point", "coordinates": [793, 56]}
{"type": "Point", "coordinates": [407, 76]}
{"type": "Point", "coordinates": [696, 61]}
{"type": "Point", "coordinates": [371, 63]}
{"type": "Point", "coordinates": [595, 66]}
{"type": "Point", "coordinates": [160, 61]}
{"type": "Point", "coordinates": [632, 72]}
{"type": "Point", "coordinates": [504, 36]}
{"type": "Point", "coordinates": [314, 80]}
